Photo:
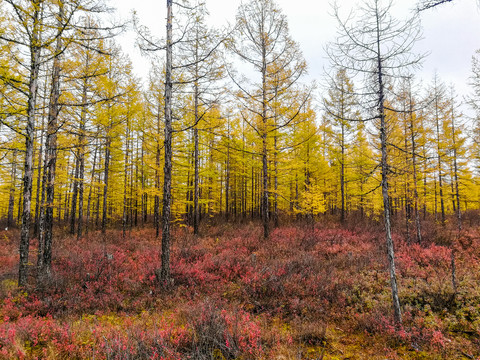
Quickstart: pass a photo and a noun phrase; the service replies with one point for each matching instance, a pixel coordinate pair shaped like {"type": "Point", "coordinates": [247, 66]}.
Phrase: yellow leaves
{"type": "Point", "coordinates": [217, 355]}
{"type": "Point", "coordinates": [312, 201]}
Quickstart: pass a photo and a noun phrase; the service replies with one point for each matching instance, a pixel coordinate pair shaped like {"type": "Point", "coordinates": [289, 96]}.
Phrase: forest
{"type": "Point", "coordinates": [227, 207]}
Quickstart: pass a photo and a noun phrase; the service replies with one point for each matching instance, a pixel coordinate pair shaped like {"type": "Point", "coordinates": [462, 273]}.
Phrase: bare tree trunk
{"type": "Point", "coordinates": [164, 274]}
{"type": "Point", "coordinates": [342, 173]}
{"type": "Point", "coordinates": [414, 165]}
{"type": "Point", "coordinates": [196, 189]}
{"type": "Point", "coordinates": [125, 179]}
{"type": "Point", "coordinates": [92, 179]}
{"type": "Point", "coordinates": [253, 189]}
{"type": "Point", "coordinates": [265, 194]}
{"type": "Point", "coordinates": [457, 196]}
{"type": "Point", "coordinates": [11, 200]}
{"type": "Point", "coordinates": [51, 144]}
{"type": "Point", "coordinates": [81, 157]}
{"type": "Point", "coordinates": [144, 203]}
{"type": "Point", "coordinates": [156, 209]}
{"type": "Point", "coordinates": [98, 193]}
{"type": "Point", "coordinates": [20, 202]}
{"type": "Point", "coordinates": [439, 161]}
{"type": "Point", "coordinates": [105, 186]}
{"type": "Point", "coordinates": [227, 176]}
{"type": "Point", "coordinates": [275, 184]}
{"type": "Point", "coordinates": [24, 246]}
{"type": "Point", "coordinates": [75, 192]}
{"type": "Point", "coordinates": [136, 182]}
{"type": "Point", "coordinates": [386, 198]}
{"type": "Point", "coordinates": [39, 184]}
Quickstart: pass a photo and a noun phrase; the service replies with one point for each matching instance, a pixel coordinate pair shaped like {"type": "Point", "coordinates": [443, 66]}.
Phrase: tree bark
{"type": "Point", "coordinates": [105, 185]}
{"type": "Point", "coordinates": [24, 246]}
{"type": "Point", "coordinates": [92, 179]}
{"type": "Point", "coordinates": [164, 275]}
{"type": "Point", "coordinates": [385, 194]}
{"type": "Point", "coordinates": [73, 214]}
{"type": "Point", "coordinates": [44, 262]}
{"type": "Point", "coordinates": [125, 179]}
{"type": "Point", "coordinates": [11, 200]}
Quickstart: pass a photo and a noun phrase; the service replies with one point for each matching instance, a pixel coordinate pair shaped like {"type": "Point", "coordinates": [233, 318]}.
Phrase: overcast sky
{"type": "Point", "coordinates": [451, 32]}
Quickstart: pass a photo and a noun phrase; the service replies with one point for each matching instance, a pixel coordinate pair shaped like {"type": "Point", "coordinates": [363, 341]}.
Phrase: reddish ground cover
{"type": "Point", "coordinates": [302, 294]}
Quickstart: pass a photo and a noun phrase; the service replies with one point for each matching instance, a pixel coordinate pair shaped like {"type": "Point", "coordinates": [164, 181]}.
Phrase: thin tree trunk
{"type": "Point", "coordinates": [439, 163]}
{"type": "Point", "coordinates": [156, 210]}
{"type": "Point", "coordinates": [125, 180]}
{"type": "Point", "coordinates": [414, 165]}
{"type": "Point", "coordinates": [407, 190]}
{"type": "Point", "coordinates": [164, 274]}
{"type": "Point", "coordinates": [227, 177]}
{"type": "Point", "coordinates": [196, 210]}
{"type": "Point", "coordinates": [92, 179]}
{"type": "Point", "coordinates": [81, 157]}
{"type": "Point", "coordinates": [24, 246]}
{"type": "Point", "coordinates": [264, 133]}
{"type": "Point", "coordinates": [45, 258]}
{"type": "Point", "coordinates": [457, 196]}
{"type": "Point", "coordinates": [38, 204]}
{"type": "Point", "coordinates": [275, 183]}
{"type": "Point", "coordinates": [385, 193]}
{"type": "Point", "coordinates": [144, 203]}
{"type": "Point", "coordinates": [105, 185]}
{"type": "Point", "coordinates": [11, 200]}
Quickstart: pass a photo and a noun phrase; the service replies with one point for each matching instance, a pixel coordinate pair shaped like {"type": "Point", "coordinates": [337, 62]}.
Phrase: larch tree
{"type": "Point", "coordinates": [261, 39]}
{"type": "Point", "coordinates": [378, 47]}
{"type": "Point", "coordinates": [200, 68]}
{"type": "Point", "coordinates": [182, 32]}
{"type": "Point", "coordinates": [411, 132]}
{"type": "Point", "coordinates": [342, 109]}
{"type": "Point", "coordinates": [438, 117]}
{"type": "Point", "coordinates": [473, 101]}
{"type": "Point", "coordinates": [41, 31]}
{"type": "Point", "coordinates": [27, 17]}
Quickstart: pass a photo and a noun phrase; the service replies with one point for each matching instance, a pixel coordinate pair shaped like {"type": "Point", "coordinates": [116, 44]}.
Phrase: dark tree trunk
{"type": "Point", "coordinates": [196, 188]}
{"type": "Point", "coordinates": [92, 179]}
{"type": "Point", "coordinates": [73, 214]}
{"type": "Point", "coordinates": [11, 200]}
{"type": "Point", "coordinates": [125, 180]}
{"type": "Point", "coordinates": [105, 186]}
{"type": "Point", "coordinates": [164, 275]}
{"type": "Point", "coordinates": [38, 203]}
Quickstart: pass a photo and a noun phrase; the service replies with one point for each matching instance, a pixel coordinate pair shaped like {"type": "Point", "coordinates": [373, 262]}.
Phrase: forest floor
{"type": "Point", "coordinates": [304, 293]}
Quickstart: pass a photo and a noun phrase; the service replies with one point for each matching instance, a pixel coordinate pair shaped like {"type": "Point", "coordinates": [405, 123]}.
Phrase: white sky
{"type": "Point", "coordinates": [451, 32]}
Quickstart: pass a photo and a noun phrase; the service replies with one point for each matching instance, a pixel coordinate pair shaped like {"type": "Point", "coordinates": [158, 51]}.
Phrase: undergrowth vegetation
{"type": "Point", "coordinates": [302, 294]}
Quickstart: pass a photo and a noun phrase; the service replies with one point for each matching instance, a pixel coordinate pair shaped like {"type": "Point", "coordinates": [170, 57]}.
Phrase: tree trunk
{"type": "Point", "coordinates": [39, 184]}
{"type": "Point", "coordinates": [125, 179]}
{"type": "Point", "coordinates": [156, 209]}
{"type": "Point", "coordinates": [414, 165]}
{"type": "Point", "coordinates": [164, 275]}
{"type": "Point", "coordinates": [51, 144]}
{"type": "Point", "coordinates": [385, 194]}
{"type": "Point", "coordinates": [75, 191]}
{"type": "Point", "coordinates": [196, 189]}
{"type": "Point", "coordinates": [24, 246]}
{"type": "Point", "coordinates": [105, 186]}
{"type": "Point", "coordinates": [439, 161]}
{"type": "Point", "coordinates": [11, 200]}
{"type": "Point", "coordinates": [92, 179]}
{"type": "Point", "coordinates": [342, 173]}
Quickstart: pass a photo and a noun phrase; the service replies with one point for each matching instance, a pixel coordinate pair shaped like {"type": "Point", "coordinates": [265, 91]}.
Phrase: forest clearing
{"type": "Point", "coordinates": [230, 207]}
